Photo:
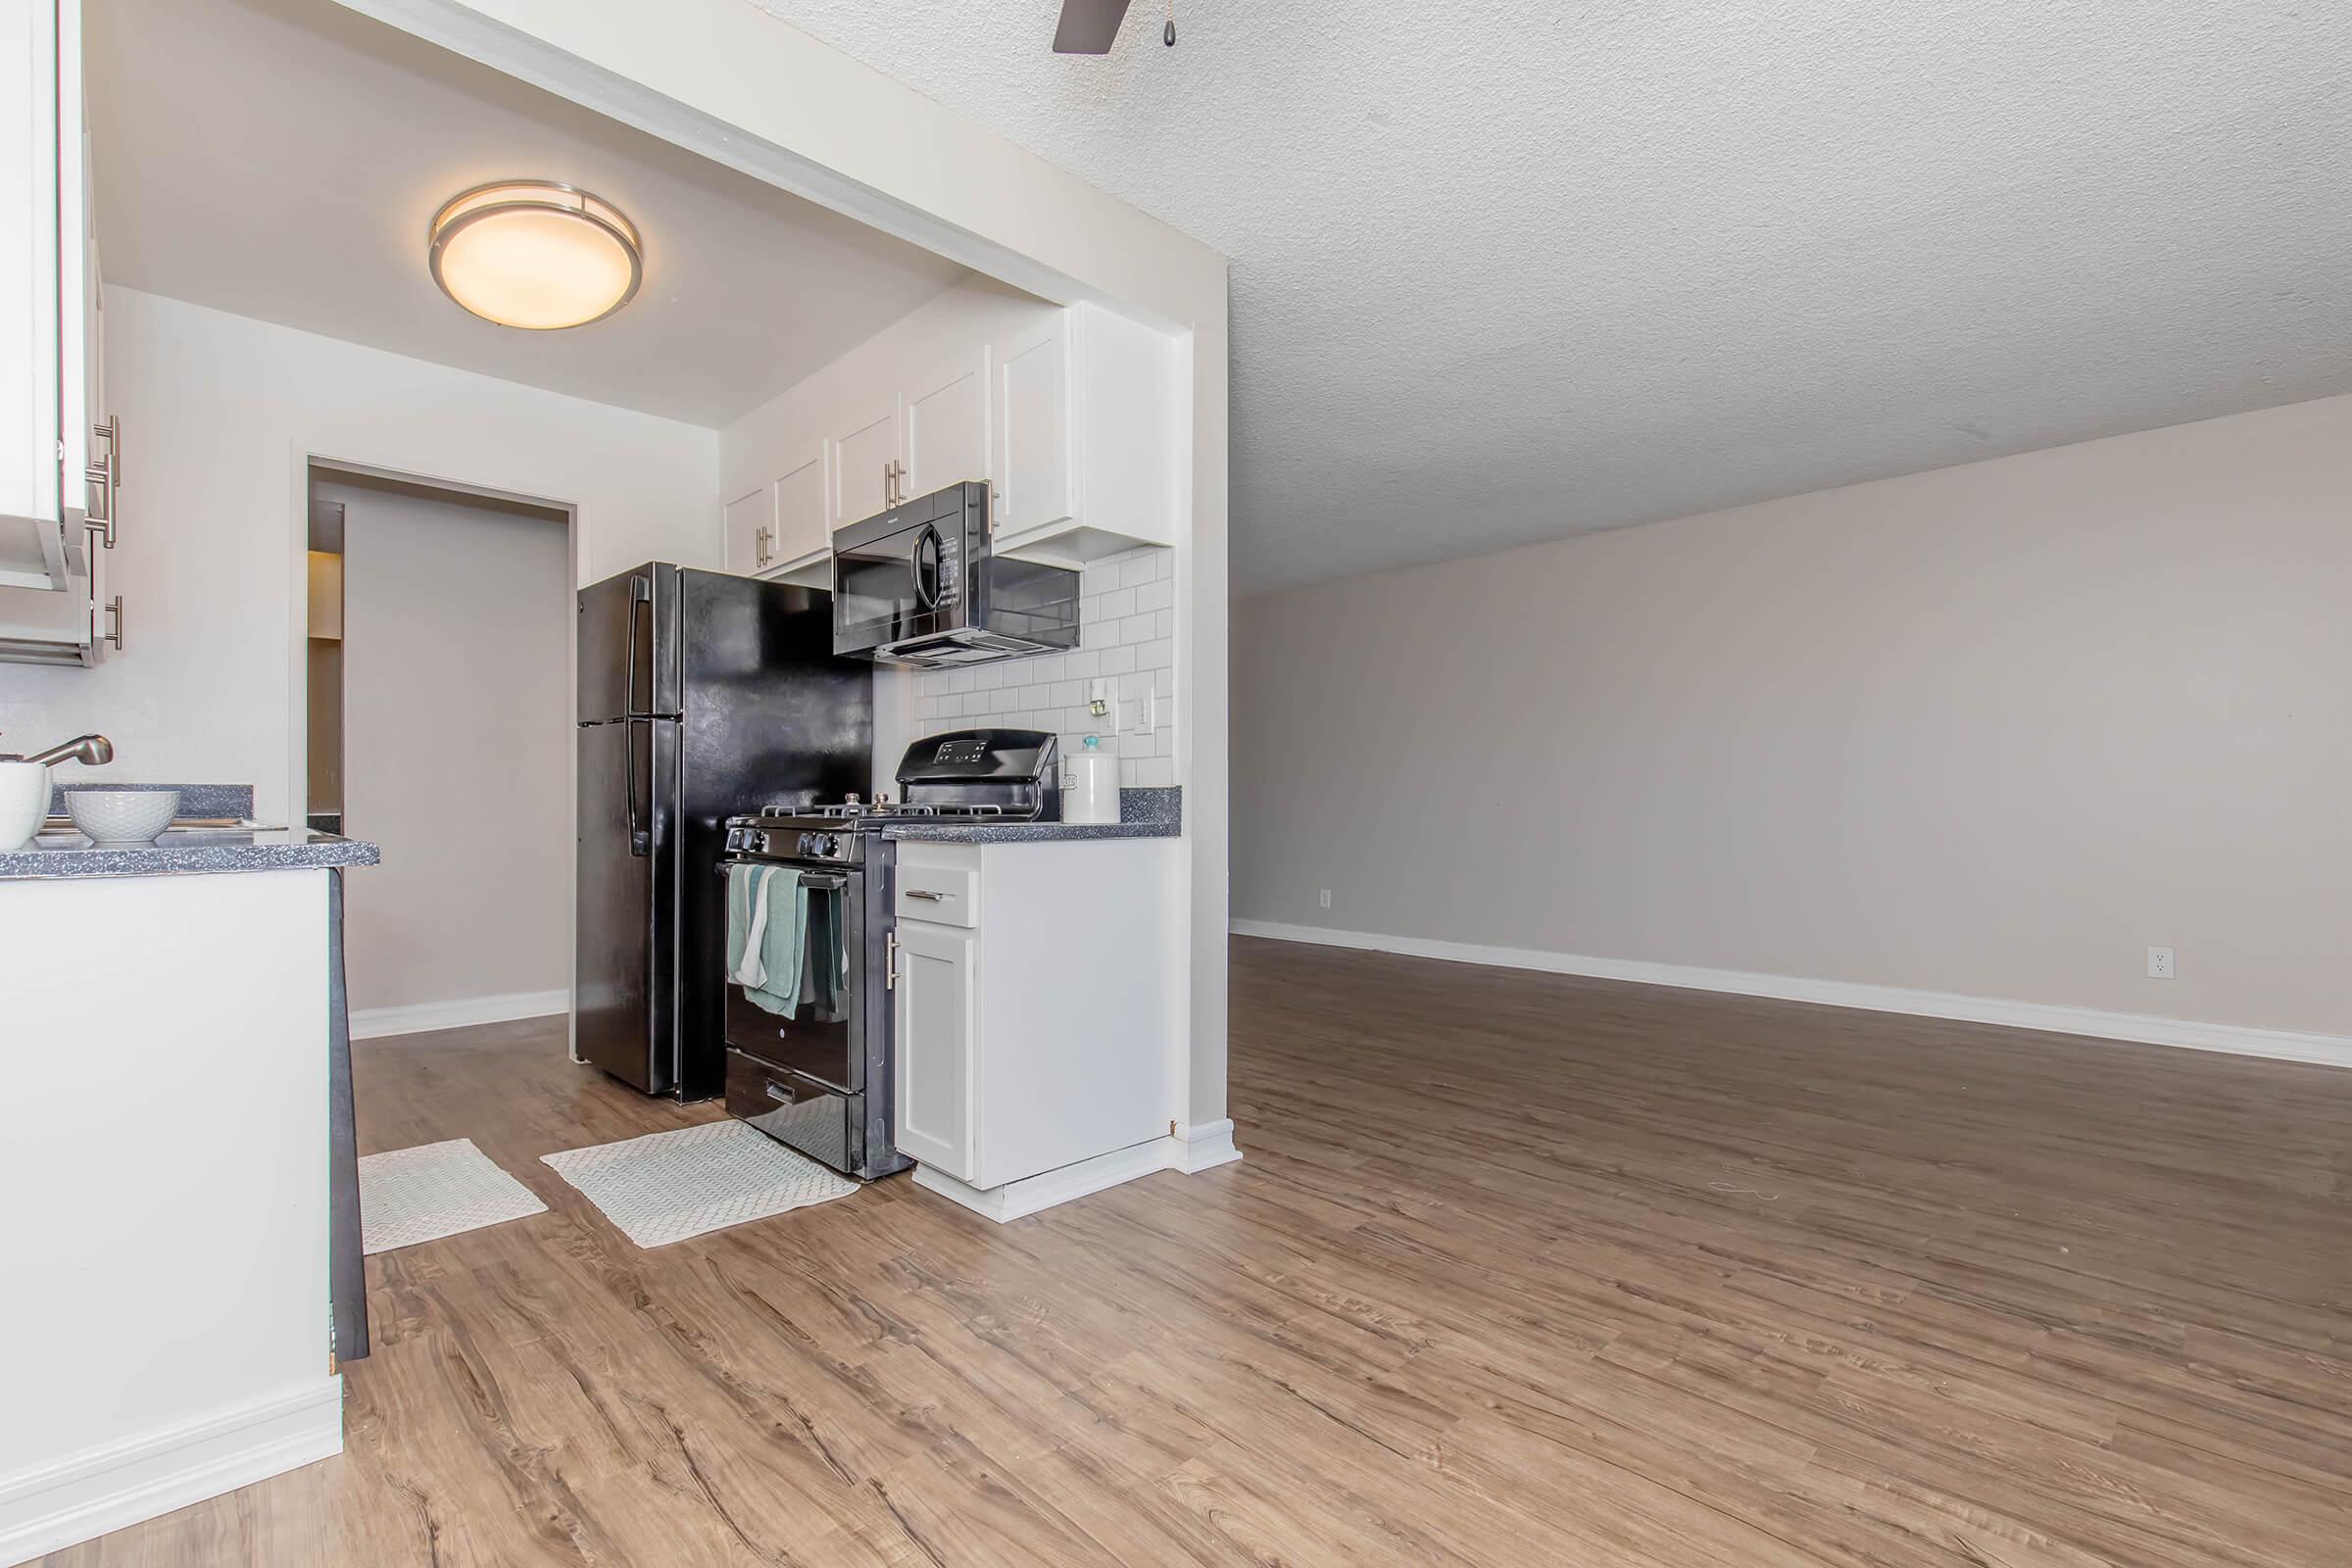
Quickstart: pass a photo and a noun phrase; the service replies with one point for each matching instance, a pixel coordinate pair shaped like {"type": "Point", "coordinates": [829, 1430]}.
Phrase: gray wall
{"type": "Point", "coordinates": [1990, 730]}
{"type": "Point", "coordinates": [458, 720]}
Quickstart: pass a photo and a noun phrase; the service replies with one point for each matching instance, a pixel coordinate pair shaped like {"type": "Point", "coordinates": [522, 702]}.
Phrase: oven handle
{"type": "Point", "coordinates": [822, 881]}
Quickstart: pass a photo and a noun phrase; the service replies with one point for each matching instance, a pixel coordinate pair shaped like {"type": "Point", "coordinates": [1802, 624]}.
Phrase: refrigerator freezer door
{"type": "Point", "coordinates": [625, 942]}
{"type": "Point", "coordinates": [628, 646]}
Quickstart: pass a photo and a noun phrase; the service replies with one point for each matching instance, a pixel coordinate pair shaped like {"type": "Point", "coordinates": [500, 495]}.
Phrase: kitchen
{"type": "Point", "coordinates": [1026, 1030]}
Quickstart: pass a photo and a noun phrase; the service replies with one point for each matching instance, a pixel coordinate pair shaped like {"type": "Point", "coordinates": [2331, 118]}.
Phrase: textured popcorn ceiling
{"type": "Point", "coordinates": [1506, 271]}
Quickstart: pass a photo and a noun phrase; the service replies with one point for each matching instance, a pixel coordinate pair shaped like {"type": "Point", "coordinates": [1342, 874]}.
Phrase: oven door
{"type": "Point", "coordinates": [892, 579]}
{"type": "Point", "coordinates": [821, 1037]}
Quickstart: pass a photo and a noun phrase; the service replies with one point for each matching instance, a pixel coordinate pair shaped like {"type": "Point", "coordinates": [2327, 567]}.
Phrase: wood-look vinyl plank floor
{"type": "Point", "coordinates": [1520, 1269]}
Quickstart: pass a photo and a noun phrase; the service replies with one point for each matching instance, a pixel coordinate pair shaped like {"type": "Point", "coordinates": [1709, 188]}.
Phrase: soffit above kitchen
{"type": "Point", "coordinates": [282, 160]}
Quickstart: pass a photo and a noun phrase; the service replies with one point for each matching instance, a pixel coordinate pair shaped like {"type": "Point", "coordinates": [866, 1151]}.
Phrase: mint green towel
{"type": "Point", "coordinates": [766, 935]}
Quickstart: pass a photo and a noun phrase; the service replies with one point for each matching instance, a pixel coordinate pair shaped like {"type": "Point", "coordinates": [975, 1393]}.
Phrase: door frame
{"type": "Point", "coordinates": [417, 468]}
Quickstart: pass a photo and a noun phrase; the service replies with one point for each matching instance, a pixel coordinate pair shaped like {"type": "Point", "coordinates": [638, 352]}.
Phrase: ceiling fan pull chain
{"type": "Point", "coordinates": [1169, 37]}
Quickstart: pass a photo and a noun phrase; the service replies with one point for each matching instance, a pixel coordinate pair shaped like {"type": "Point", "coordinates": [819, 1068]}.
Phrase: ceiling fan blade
{"type": "Point", "coordinates": [1089, 26]}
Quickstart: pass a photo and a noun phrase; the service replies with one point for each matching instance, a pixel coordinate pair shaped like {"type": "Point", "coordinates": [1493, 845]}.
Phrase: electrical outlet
{"type": "Point", "coordinates": [1324, 898]}
{"type": "Point", "coordinates": [2160, 964]}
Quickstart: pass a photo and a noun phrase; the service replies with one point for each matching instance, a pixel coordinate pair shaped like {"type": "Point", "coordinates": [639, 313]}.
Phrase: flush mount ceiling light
{"type": "Point", "coordinates": [533, 254]}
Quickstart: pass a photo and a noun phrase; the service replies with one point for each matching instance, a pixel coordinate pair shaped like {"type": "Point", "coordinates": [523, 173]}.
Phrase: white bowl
{"type": "Point", "coordinates": [24, 803]}
{"type": "Point", "coordinates": [117, 817]}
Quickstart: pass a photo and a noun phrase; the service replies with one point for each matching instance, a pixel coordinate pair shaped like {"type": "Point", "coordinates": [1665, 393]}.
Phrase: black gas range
{"type": "Point", "coordinates": [819, 1079]}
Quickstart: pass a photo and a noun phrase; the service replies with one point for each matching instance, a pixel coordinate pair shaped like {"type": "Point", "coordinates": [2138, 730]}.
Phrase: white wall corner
{"type": "Point", "coordinates": [2242, 1039]}
{"type": "Point", "coordinates": [88, 1493]}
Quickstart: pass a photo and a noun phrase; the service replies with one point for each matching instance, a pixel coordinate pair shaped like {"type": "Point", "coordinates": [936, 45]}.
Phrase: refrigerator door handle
{"type": "Point", "coordinates": [641, 839]}
{"type": "Point", "coordinates": [641, 592]}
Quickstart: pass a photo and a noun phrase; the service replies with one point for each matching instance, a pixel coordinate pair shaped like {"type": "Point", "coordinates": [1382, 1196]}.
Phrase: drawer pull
{"type": "Point", "coordinates": [925, 894]}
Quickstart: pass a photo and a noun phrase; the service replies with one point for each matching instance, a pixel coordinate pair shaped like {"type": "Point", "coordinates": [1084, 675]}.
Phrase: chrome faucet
{"type": "Point", "coordinates": [91, 749]}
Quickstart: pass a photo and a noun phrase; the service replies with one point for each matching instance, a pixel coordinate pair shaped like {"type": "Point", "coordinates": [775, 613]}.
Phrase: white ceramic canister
{"type": "Point", "coordinates": [1090, 785]}
{"type": "Point", "coordinates": [24, 803]}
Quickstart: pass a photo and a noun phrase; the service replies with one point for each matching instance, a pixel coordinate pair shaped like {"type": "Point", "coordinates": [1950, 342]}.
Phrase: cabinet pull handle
{"type": "Point", "coordinates": [890, 965]}
{"type": "Point", "coordinates": [113, 609]}
{"type": "Point", "coordinates": [106, 476]}
{"type": "Point", "coordinates": [925, 894]}
{"type": "Point", "coordinates": [761, 542]}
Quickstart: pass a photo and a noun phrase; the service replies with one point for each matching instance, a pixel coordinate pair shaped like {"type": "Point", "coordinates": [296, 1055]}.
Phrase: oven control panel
{"type": "Point", "coordinates": [791, 844]}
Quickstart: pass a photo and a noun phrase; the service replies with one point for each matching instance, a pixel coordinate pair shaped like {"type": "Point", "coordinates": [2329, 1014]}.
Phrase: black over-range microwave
{"type": "Point", "coordinates": [919, 585]}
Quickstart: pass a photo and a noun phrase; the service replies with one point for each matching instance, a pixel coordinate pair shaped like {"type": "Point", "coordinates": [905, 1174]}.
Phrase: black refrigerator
{"type": "Point", "coordinates": [702, 697]}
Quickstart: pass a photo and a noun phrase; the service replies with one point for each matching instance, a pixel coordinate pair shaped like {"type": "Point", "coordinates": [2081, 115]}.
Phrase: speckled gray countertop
{"type": "Point", "coordinates": [186, 851]}
{"type": "Point", "coordinates": [1031, 832]}
{"type": "Point", "coordinates": [1148, 813]}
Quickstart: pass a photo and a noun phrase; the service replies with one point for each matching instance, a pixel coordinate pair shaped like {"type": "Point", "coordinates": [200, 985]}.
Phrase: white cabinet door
{"type": "Point", "coordinates": [44, 434]}
{"type": "Point", "coordinates": [1032, 414]}
{"type": "Point", "coordinates": [865, 454]}
{"type": "Point", "coordinates": [946, 425]}
{"type": "Point", "coordinates": [751, 522]}
{"type": "Point", "coordinates": [937, 1011]}
{"type": "Point", "coordinates": [801, 528]}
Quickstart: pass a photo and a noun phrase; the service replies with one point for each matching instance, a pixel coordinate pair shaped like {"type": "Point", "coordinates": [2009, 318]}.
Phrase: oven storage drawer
{"type": "Point", "coordinates": [796, 1111]}
{"type": "Point", "coordinates": [942, 895]}
{"type": "Point", "coordinates": [806, 1043]}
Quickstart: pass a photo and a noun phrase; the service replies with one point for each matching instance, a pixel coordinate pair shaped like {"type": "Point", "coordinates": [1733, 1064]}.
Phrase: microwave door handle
{"type": "Point", "coordinates": [925, 545]}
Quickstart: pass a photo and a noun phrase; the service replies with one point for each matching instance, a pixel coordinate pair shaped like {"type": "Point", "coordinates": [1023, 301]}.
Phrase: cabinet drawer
{"type": "Point", "coordinates": [940, 895]}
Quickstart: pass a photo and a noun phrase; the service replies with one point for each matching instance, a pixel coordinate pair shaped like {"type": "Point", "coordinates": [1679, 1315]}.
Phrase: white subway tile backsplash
{"type": "Point", "coordinates": [1127, 616]}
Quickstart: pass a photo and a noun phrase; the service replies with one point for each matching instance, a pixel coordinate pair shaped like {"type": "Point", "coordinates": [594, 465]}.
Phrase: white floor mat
{"type": "Point", "coordinates": [666, 1187]}
{"type": "Point", "coordinates": [435, 1189]}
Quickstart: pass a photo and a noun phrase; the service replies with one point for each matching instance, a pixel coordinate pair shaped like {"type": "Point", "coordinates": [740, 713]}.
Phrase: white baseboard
{"type": "Point", "coordinates": [1207, 1145]}
{"type": "Point", "coordinates": [374, 1023]}
{"type": "Point", "coordinates": [88, 1493]}
{"type": "Point", "coordinates": [1211, 1145]}
{"type": "Point", "coordinates": [2285, 1045]}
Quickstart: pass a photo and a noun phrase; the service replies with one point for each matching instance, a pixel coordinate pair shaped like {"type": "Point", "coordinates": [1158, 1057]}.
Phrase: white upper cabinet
{"type": "Point", "coordinates": [1033, 428]}
{"type": "Point", "coordinates": [1088, 437]}
{"type": "Point", "coordinates": [946, 425]}
{"type": "Point", "coordinates": [752, 531]}
{"type": "Point", "coordinates": [802, 527]}
{"type": "Point", "coordinates": [60, 470]}
{"type": "Point", "coordinates": [1075, 418]}
{"type": "Point", "coordinates": [779, 527]}
{"type": "Point", "coordinates": [865, 462]}
{"type": "Point", "coordinates": [43, 334]}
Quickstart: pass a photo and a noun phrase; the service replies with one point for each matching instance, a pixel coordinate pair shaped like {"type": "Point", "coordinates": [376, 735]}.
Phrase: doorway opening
{"type": "Point", "coordinates": [439, 727]}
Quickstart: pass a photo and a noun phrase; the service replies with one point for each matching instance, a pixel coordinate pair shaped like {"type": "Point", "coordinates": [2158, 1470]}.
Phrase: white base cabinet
{"type": "Point", "coordinates": [1036, 1010]}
